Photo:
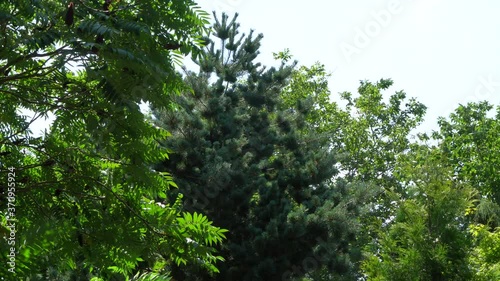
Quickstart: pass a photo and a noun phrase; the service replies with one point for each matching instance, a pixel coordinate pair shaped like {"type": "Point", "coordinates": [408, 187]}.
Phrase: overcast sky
{"type": "Point", "coordinates": [442, 52]}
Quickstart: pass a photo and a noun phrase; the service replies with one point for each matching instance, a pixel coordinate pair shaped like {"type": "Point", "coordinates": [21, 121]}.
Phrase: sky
{"type": "Point", "coordinates": [442, 52]}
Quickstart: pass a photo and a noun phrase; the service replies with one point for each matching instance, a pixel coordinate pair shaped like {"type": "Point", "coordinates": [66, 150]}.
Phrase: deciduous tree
{"type": "Point", "coordinates": [87, 203]}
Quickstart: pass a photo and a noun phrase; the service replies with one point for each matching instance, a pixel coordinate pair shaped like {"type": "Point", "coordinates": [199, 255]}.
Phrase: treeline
{"type": "Point", "coordinates": [238, 172]}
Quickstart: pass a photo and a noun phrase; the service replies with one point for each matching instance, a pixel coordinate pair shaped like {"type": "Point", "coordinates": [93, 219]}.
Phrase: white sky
{"type": "Point", "coordinates": [442, 52]}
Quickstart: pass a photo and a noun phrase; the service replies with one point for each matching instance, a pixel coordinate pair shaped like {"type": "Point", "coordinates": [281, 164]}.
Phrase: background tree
{"type": "Point", "coordinates": [426, 238]}
{"type": "Point", "coordinates": [485, 257]}
{"type": "Point", "coordinates": [88, 205]}
{"type": "Point", "coordinates": [469, 141]}
{"type": "Point", "coordinates": [253, 164]}
{"type": "Point", "coordinates": [369, 131]}
{"type": "Point", "coordinates": [461, 205]}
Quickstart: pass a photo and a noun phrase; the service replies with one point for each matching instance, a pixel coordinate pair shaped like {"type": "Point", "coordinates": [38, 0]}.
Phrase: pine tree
{"type": "Point", "coordinates": [251, 164]}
